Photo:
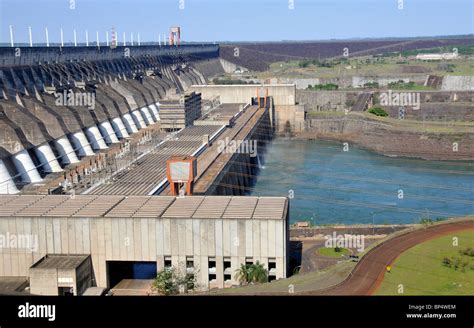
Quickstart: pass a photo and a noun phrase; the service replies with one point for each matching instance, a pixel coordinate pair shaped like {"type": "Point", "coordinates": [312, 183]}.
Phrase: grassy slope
{"type": "Point", "coordinates": [324, 251]}
{"type": "Point", "coordinates": [301, 282]}
{"type": "Point", "coordinates": [388, 67]}
{"type": "Point", "coordinates": [421, 272]}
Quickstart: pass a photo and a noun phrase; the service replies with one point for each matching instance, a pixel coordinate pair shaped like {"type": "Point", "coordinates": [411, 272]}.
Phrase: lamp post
{"type": "Point", "coordinates": [11, 36]}
{"type": "Point", "coordinates": [31, 36]}
{"type": "Point", "coordinates": [47, 36]}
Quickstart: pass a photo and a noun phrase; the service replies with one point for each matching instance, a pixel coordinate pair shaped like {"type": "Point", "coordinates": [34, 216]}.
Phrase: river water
{"type": "Point", "coordinates": [328, 185]}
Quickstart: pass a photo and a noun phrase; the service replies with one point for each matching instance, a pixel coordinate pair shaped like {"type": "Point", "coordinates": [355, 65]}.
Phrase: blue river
{"type": "Point", "coordinates": [328, 185]}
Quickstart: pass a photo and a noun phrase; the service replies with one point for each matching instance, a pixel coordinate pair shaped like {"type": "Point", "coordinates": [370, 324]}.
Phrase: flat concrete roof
{"type": "Point", "coordinates": [13, 285]}
{"type": "Point", "coordinates": [116, 206]}
{"type": "Point", "coordinates": [144, 177]}
{"type": "Point", "coordinates": [60, 262]}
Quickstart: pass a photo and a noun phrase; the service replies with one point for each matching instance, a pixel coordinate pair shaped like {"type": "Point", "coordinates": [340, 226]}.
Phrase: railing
{"type": "Point", "coordinates": [18, 56]}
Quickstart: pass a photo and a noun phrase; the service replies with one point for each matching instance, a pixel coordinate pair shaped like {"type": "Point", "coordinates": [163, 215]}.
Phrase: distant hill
{"type": "Point", "coordinates": [259, 55]}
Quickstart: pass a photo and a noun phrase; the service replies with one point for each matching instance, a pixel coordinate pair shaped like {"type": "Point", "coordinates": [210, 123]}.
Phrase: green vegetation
{"type": "Point", "coordinates": [402, 85]}
{"type": "Point", "coordinates": [377, 111]}
{"type": "Point", "coordinates": [171, 281]}
{"type": "Point", "coordinates": [326, 87]}
{"type": "Point", "coordinates": [462, 50]}
{"type": "Point", "coordinates": [435, 267]}
{"type": "Point", "coordinates": [251, 273]}
{"type": "Point", "coordinates": [287, 128]}
{"type": "Point", "coordinates": [315, 62]}
{"type": "Point", "coordinates": [333, 252]}
{"type": "Point", "coordinates": [371, 85]}
{"type": "Point", "coordinates": [462, 262]}
{"type": "Point", "coordinates": [428, 221]}
{"type": "Point", "coordinates": [369, 66]}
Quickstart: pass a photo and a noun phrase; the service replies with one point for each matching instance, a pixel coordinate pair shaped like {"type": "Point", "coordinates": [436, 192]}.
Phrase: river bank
{"type": "Point", "coordinates": [444, 141]}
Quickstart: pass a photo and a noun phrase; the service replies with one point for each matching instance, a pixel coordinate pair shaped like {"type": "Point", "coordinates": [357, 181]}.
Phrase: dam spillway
{"type": "Point", "coordinates": [72, 115]}
{"type": "Point", "coordinates": [62, 106]}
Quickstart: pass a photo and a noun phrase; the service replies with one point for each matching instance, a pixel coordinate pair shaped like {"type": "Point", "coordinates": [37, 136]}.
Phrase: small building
{"type": "Point", "coordinates": [179, 113]}
{"type": "Point", "coordinates": [443, 56]}
{"type": "Point", "coordinates": [102, 240]}
{"type": "Point", "coordinates": [61, 275]}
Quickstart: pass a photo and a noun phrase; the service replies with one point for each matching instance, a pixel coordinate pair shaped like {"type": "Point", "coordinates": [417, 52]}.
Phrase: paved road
{"type": "Point", "coordinates": [369, 272]}
{"type": "Point", "coordinates": [362, 102]}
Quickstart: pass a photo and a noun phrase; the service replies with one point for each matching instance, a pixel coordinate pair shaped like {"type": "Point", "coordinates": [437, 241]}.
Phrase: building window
{"type": "Point", "coordinates": [189, 265]}
{"type": "Point", "coordinates": [227, 269]}
{"type": "Point", "coordinates": [248, 260]}
{"type": "Point", "coordinates": [272, 269]}
{"type": "Point", "coordinates": [168, 262]}
{"type": "Point", "coordinates": [212, 269]}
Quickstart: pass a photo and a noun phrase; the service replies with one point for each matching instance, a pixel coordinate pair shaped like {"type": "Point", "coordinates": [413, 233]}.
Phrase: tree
{"type": "Point", "coordinates": [171, 281]}
{"type": "Point", "coordinates": [287, 128]}
{"type": "Point", "coordinates": [251, 273]}
{"type": "Point", "coordinates": [243, 274]}
{"type": "Point", "coordinates": [258, 273]}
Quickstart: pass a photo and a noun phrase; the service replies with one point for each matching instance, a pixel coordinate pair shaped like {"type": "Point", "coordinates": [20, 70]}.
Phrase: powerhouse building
{"type": "Point", "coordinates": [53, 238]}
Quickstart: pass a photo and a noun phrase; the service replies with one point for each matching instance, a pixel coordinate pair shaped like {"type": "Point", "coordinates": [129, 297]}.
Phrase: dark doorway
{"type": "Point", "coordinates": [65, 291]}
{"type": "Point", "coordinates": [119, 270]}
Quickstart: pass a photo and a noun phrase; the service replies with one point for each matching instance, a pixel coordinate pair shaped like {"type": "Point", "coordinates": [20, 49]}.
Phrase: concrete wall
{"type": "Point", "coordinates": [230, 67]}
{"type": "Point", "coordinates": [458, 83]}
{"type": "Point", "coordinates": [146, 239]}
{"type": "Point", "coordinates": [43, 281]}
{"type": "Point", "coordinates": [326, 100]}
{"type": "Point", "coordinates": [284, 100]}
{"type": "Point", "coordinates": [283, 94]}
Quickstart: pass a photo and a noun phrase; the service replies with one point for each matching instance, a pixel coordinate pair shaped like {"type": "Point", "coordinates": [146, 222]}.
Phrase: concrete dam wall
{"type": "Point", "coordinates": [61, 105]}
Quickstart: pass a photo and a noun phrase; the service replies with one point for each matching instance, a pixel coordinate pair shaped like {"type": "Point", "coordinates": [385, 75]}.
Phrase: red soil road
{"type": "Point", "coordinates": [369, 272]}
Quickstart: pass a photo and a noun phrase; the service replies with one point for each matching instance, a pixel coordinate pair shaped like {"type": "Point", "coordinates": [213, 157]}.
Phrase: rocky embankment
{"type": "Point", "coordinates": [396, 138]}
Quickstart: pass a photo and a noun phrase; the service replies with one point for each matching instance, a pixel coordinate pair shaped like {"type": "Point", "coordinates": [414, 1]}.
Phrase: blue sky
{"type": "Point", "coordinates": [236, 20]}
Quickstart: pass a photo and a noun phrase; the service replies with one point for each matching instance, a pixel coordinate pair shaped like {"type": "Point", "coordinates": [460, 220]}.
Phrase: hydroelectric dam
{"type": "Point", "coordinates": [111, 157]}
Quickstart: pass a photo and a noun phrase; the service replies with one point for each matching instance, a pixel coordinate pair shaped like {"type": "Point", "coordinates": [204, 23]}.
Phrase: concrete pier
{"type": "Point", "coordinates": [147, 116]}
{"type": "Point", "coordinates": [47, 158]}
{"type": "Point", "coordinates": [108, 132]}
{"type": "Point", "coordinates": [96, 139]}
{"type": "Point", "coordinates": [26, 168]}
{"type": "Point", "coordinates": [81, 144]}
{"type": "Point", "coordinates": [67, 155]}
{"type": "Point", "coordinates": [154, 111]}
{"type": "Point", "coordinates": [138, 119]}
{"type": "Point", "coordinates": [119, 128]}
{"type": "Point", "coordinates": [129, 123]}
{"type": "Point", "coordinates": [7, 185]}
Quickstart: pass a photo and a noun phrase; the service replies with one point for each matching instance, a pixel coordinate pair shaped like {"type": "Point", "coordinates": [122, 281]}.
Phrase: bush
{"type": "Point", "coordinates": [327, 87]}
{"type": "Point", "coordinates": [467, 251]}
{"type": "Point", "coordinates": [171, 281]}
{"type": "Point", "coordinates": [378, 111]}
{"type": "Point", "coordinates": [371, 85]}
{"type": "Point", "coordinates": [447, 262]}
